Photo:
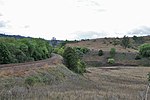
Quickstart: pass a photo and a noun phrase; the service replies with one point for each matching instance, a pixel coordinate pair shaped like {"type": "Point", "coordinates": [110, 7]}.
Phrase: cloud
{"type": "Point", "coordinates": [2, 24]}
{"type": "Point", "coordinates": [143, 30]}
{"type": "Point", "coordinates": [1, 2]}
{"type": "Point", "coordinates": [91, 4]}
{"type": "Point", "coordinates": [26, 26]}
{"type": "Point", "coordinates": [90, 35]}
{"type": "Point", "coordinates": [1, 14]}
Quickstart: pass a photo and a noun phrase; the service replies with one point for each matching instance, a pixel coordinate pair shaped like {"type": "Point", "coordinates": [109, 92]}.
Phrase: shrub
{"type": "Point", "coordinates": [84, 50]}
{"type": "Point", "coordinates": [80, 51]}
{"type": "Point", "coordinates": [138, 39]}
{"type": "Point", "coordinates": [73, 61]}
{"type": "Point", "coordinates": [112, 52]}
{"type": "Point", "coordinates": [125, 42]}
{"type": "Point", "coordinates": [80, 67]}
{"type": "Point", "coordinates": [137, 57]}
{"type": "Point", "coordinates": [31, 80]}
{"type": "Point", "coordinates": [111, 61]}
{"type": "Point", "coordinates": [116, 42]}
{"type": "Point", "coordinates": [59, 50]}
{"type": "Point", "coordinates": [100, 52]}
{"type": "Point", "coordinates": [145, 50]}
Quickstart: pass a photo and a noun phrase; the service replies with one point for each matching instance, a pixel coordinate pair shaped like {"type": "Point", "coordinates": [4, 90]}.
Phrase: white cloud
{"type": "Point", "coordinates": [2, 24]}
{"type": "Point", "coordinates": [62, 18]}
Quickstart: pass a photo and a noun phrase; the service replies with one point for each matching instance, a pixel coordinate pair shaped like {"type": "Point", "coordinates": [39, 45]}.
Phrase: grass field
{"type": "Point", "coordinates": [54, 81]}
{"type": "Point", "coordinates": [100, 83]}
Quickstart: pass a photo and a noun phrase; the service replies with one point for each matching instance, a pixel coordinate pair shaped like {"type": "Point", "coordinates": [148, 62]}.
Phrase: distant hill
{"type": "Point", "coordinates": [52, 42]}
{"type": "Point", "coordinates": [122, 57]}
{"type": "Point", "coordinates": [14, 36]}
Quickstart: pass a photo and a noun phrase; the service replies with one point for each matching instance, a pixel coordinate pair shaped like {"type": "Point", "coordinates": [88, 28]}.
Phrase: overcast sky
{"type": "Point", "coordinates": [75, 19]}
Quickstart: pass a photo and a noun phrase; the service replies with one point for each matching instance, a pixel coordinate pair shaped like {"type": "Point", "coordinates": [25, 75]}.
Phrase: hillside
{"type": "Point", "coordinates": [50, 79]}
{"type": "Point", "coordinates": [54, 81]}
{"type": "Point", "coordinates": [122, 57]}
{"type": "Point", "coordinates": [106, 44]}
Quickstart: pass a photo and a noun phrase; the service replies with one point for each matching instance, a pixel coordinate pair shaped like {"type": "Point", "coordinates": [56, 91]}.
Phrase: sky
{"type": "Point", "coordinates": [75, 19]}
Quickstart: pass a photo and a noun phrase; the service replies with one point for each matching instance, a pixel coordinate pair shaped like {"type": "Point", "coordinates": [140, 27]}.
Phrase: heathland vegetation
{"type": "Point", "coordinates": [101, 69]}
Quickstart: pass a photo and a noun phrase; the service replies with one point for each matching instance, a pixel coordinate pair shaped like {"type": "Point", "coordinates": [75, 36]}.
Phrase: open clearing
{"type": "Point", "coordinates": [125, 82]}
{"type": "Point", "coordinates": [99, 83]}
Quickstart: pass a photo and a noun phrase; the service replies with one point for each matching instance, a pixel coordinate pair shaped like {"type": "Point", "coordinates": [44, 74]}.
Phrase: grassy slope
{"type": "Point", "coordinates": [122, 57]}
{"type": "Point", "coordinates": [97, 84]}
{"type": "Point", "coordinates": [57, 79]}
{"type": "Point", "coordinates": [62, 84]}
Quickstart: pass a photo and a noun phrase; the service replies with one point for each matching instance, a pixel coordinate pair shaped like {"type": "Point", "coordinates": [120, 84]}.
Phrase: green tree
{"type": "Point", "coordinates": [22, 50]}
{"type": "Point", "coordinates": [112, 52]}
{"type": "Point", "coordinates": [125, 42]}
{"type": "Point", "coordinates": [73, 61]}
{"type": "Point", "coordinates": [138, 40]}
{"type": "Point", "coordinates": [5, 55]}
{"type": "Point", "coordinates": [145, 50]}
{"type": "Point", "coordinates": [100, 52]}
{"type": "Point", "coordinates": [70, 57]}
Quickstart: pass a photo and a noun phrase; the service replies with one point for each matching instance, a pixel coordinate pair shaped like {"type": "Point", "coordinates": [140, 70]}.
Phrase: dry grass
{"type": "Point", "coordinates": [101, 83]}
{"type": "Point", "coordinates": [103, 44]}
{"type": "Point", "coordinates": [130, 82]}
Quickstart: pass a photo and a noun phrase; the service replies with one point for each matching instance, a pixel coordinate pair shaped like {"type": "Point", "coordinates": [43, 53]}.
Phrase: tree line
{"type": "Point", "coordinates": [23, 50]}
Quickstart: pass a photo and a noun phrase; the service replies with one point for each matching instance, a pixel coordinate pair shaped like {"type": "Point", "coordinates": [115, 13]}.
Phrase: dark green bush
{"type": "Point", "coordinates": [112, 52]}
{"type": "Point", "coordinates": [80, 51]}
{"type": "Point", "coordinates": [100, 52]}
{"type": "Point", "coordinates": [125, 42]}
{"type": "Point", "coordinates": [145, 50]}
{"type": "Point", "coordinates": [5, 55]}
{"type": "Point", "coordinates": [84, 50]}
{"type": "Point", "coordinates": [137, 57]}
{"type": "Point", "coordinates": [73, 61]}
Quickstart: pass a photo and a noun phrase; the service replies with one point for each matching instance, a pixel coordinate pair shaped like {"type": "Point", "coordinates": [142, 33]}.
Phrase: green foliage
{"type": "Point", "coordinates": [116, 42]}
{"type": "Point", "coordinates": [112, 52]}
{"type": "Point", "coordinates": [80, 51]}
{"type": "Point", "coordinates": [138, 39]}
{"type": "Point", "coordinates": [111, 61]}
{"type": "Point", "coordinates": [5, 55]}
{"type": "Point", "coordinates": [70, 57]}
{"type": "Point", "coordinates": [100, 52]}
{"type": "Point", "coordinates": [84, 50]}
{"type": "Point", "coordinates": [125, 42]}
{"type": "Point", "coordinates": [73, 61]}
{"type": "Point", "coordinates": [59, 50]}
{"type": "Point", "coordinates": [80, 67]}
{"type": "Point", "coordinates": [23, 50]}
{"type": "Point", "coordinates": [32, 80]}
{"type": "Point", "coordinates": [135, 38]}
{"type": "Point", "coordinates": [138, 57]}
{"type": "Point", "coordinates": [145, 50]}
